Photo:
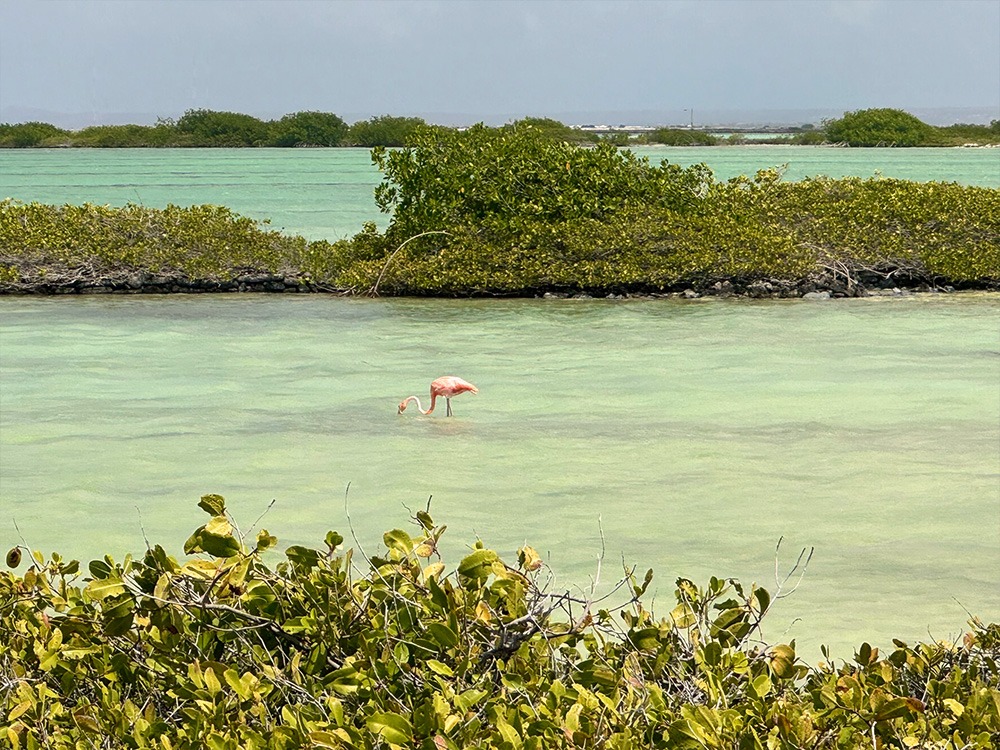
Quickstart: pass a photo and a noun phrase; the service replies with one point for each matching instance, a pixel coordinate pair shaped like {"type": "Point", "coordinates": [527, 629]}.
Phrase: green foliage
{"type": "Point", "coordinates": [31, 134]}
{"type": "Point", "coordinates": [554, 130]}
{"type": "Point", "coordinates": [962, 134]}
{"type": "Point", "coordinates": [878, 127]}
{"type": "Point", "coordinates": [63, 246]}
{"type": "Point", "coordinates": [808, 138]}
{"type": "Point", "coordinates": [239, 647]}
{"type": "Point", "coordinates": [124, 136]}
{"type": "Point", "coordinates": [509, 211]}
{"type": "Point", "coordinates": [206, 127]}
{"type": "Point", "coordinates": [308, 129]}
{"type": "Point", "coordinates": [385, 131]}
{"type": "Point", "coordinates": [518, 175]}
{"type": "Point", "coordinates": [681, 137]}
{"type": "Point", "coordinates": [619, 138]}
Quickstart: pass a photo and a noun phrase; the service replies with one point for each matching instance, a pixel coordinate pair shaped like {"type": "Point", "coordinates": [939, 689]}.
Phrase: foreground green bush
{"type": "Point", "coordinates": [223, 649]}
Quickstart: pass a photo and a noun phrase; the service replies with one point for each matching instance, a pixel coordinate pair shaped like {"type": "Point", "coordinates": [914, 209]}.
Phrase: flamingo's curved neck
{"type": "Point", "coordinates": [420, 407]}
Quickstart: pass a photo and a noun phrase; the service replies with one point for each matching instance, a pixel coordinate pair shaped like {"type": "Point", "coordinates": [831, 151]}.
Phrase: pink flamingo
{"type": "Point", "coordinates": [448, 386]}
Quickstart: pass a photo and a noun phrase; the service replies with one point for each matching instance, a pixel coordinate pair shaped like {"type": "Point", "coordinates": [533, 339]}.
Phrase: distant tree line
{"type": "Point", "coordinates": [206, 128]}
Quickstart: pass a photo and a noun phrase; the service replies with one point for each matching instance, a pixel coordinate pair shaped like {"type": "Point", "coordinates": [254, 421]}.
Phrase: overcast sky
{"type": "Point", "coordinates": [495, 60]}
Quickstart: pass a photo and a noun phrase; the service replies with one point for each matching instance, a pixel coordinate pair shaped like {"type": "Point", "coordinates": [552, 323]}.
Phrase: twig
{"type": "Point", "coordinates": [374, 290]}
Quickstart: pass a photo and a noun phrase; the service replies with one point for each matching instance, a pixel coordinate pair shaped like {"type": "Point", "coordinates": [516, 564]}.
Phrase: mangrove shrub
{"type": "Point", "coordinates": [384, 130]}
{"type": "Point", "coordinates": [878, 127]}
{"type": "Point", "coordinates": [233, 645]}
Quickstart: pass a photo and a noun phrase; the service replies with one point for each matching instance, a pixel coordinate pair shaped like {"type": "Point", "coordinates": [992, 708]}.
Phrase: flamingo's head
{"type": "Point", "coordinates": [402, 406]}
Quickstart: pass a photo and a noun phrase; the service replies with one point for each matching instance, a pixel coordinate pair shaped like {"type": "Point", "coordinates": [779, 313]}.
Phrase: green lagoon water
{"type": "Point", "coordinates": [691, 435]}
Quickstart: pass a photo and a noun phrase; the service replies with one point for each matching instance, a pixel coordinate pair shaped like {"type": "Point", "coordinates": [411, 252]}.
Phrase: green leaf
{"type": "Point", "coordinates": [440, 668]}
{"type": "Point", "coordinates": [304, 556]}
{"type": "Point", "coordinates": [191, 546]}
{"type": "Point", "coordinates": [219, 546]}
{"type": "Point", "coordinates": [683, 616]}
{"type": "Point", "coordinates": [220, 526]}
{"type": "Point", "coordinates": [897, 707]}
{"type": "Point", "coordinates": [85, 721]}
{"type": "Point", "coordinates": [265, 540]}
{"type": "Point", "coordinates": [469, 698]}
{"type": "Point", "coordinates": [393, 728]}
{"type": "Point", "coordinates": [761, 685]}
{"type": "Point", "coordinates": [479, 564]}
{"type": "Point", "coordinates": [641, 589]}
{"type": "Point", "coordinates": [508, 733]}
{"type": "Point", "coordinates": [333, 540]}
{"type": "Point", "coordinates": [441, 633]}
{"type": "Point", "coordinates": [398, 539]}
{"type": "Point", "coordinates": [102, 588]}
{"type": "Point", "coordinates": [99, 569]}
{"type": "Point", "coordinates": [214, 505]}
{"type": "Point", "coordinates": [237, 684]}
{"type": "Point", "coordinates": [204, 569]}
{"type": "Point", "coordinates": [119, 618]}
{"type": "Point", "coordinates": [19, 710]}
{"type": "Point", "coordinates": [782, 661]}
{"type": "Point", "coordinates": [14, 557]}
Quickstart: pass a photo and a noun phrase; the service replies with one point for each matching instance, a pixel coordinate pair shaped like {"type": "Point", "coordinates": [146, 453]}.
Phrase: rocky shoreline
{"type": "Point", "coordinates": [818, 287]}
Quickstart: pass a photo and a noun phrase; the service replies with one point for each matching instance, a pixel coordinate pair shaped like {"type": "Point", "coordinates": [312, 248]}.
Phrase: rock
{"type": "Point", "coordinates": [816, 295]}
{"type": "Point", "coordinates": [723, 288]}
{"type": "Point", "coordinates": [689, 294]}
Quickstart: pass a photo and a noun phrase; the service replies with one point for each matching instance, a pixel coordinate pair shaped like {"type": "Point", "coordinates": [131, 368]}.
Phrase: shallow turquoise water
{"type": "Point", "coordinates": [695, 434]}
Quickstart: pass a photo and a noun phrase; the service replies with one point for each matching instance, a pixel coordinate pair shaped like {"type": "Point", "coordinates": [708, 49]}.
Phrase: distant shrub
{"type": "Point", "coordinates": [385, 131]}
{"type": "Point", "coordinates": [31, 134]}
{"type": "Point", "coordinates": [205, 127]}
{"type": "Point", "coordinates": [681, 137]}
{"type": "Point", "coordinates": [308, 129]}
{"type": "Point", "coordinates": [808, 138]}
{"type": "Point", "coordinates": [878, 127]}
{"type": "Point", "coordinates": [554, 130]}
{"type": "Point", "coordinates": [123, 136]}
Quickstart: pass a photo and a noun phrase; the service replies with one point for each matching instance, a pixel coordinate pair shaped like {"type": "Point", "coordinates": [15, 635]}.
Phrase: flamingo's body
{"type": "Point", "coordinates": [446, 387]}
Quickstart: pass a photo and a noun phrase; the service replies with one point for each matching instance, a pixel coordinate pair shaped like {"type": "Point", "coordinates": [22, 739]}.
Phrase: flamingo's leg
{"type": "Point", "coordinates": [448, 402]}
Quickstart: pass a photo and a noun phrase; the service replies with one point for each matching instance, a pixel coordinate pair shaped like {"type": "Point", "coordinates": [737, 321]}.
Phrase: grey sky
{"type": "Point", "coordinates": [495, 60]}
